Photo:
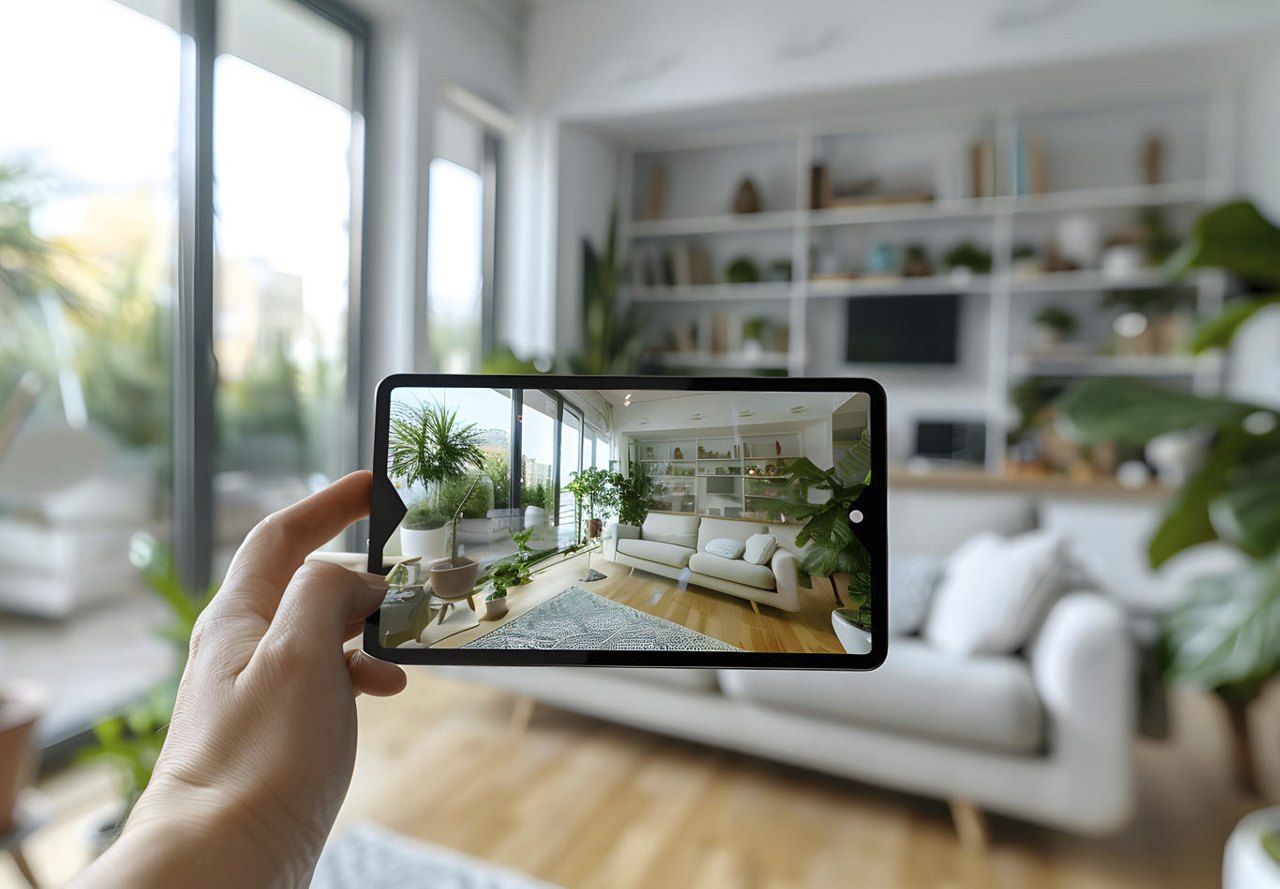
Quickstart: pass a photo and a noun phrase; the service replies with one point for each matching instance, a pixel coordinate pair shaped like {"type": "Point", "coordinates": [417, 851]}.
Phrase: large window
{"type": "Point", "coordinates": [570, 460]}
{"type": "Point", "coordinates": [282, 303]}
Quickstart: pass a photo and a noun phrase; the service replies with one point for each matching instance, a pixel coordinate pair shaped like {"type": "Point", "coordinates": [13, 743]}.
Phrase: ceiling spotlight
{"type": "Point", "coordinates": [696, 417]}
{"type": "Point", "coordinates": [799, 408]}
{"type": "Point", "coordinates": [745, 412]}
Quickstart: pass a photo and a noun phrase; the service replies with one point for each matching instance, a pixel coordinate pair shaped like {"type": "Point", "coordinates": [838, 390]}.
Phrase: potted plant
{"type": "Point", "coordinates": [831, 549]}
{"type": "Point", "coordinates": [513, 571]}
{"type": "Point", "coordinates": [427, 447]}
{"type": "Point", "coordinates": [536, 506]}
{"type": "Point", "coordinates": [423, 533]}
{"type": "Point", "coordinates": [634, 494]}
{"type": "Point", "coordinates": [591, 487]}
{"type": "Point", "coordinates": [455, 578]}
{"type": "Point", "coordinates": [1226, 635]}
{"type": "Point", "coordinates": [1056, 325]}
{"type": "Point", "coordinates": [20, 707]}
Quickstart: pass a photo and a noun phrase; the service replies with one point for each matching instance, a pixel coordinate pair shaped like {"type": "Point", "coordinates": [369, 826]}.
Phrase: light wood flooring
{"type": "Point", "coordinates": [711, 613]}
{"type": "Point", "coordinates": [589, 805]}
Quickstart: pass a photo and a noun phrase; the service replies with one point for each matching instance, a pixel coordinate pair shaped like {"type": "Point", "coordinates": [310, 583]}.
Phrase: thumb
{"type": "Point", "coordinates": [320, 601]}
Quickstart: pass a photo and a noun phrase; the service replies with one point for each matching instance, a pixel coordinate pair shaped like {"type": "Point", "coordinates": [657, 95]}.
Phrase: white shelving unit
{"type": "Point", "coordinates": [1091, 159]}
{"type": "Point", "coordinates": [720, 475]}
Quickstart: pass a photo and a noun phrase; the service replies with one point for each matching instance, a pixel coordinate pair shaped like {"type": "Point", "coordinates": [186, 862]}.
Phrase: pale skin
{"type": "Point", "coordinates": [260, 752]}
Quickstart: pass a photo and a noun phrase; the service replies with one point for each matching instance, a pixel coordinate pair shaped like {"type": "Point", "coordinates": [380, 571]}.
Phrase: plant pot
{"type": "Point", "coordinates": [494, 609]}
{"type": "Point", "coordinates": [20, 707]}
{"type": "Point", "coordinates": [853, 639]}
{"type": "Point", "coordinates": [534, 516]}
{"type": "Point", "coordinates": [594, 527]}
{"type": "Point", "coordinates": [429, 543]}
{"type": "Point", "coordinates": [454, 580]}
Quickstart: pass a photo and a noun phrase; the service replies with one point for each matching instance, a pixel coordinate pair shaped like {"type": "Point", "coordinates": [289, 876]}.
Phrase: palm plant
{"type": "Point", "coordinates": [832, 547]}
{"type": "Point", "coordinates": [429, 445]}
{"type": "Point", "coordinates": [1226, 636]}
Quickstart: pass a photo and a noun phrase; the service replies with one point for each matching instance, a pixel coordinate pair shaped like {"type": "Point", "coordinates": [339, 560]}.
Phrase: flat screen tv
{"type": "Point", "coordinates": [903, 329]}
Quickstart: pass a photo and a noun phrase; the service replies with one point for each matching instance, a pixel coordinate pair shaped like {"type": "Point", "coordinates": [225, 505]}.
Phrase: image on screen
{"type": "Point", "coordinates": [610, 520]}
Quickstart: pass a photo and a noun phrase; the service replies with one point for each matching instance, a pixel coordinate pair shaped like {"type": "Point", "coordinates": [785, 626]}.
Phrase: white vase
{"type": "Point", "coordinates": [534, 516]}
{"type": "Point", "coordinates": [855, 640]}
{"type": "Point", "coordinates": [429, 543]}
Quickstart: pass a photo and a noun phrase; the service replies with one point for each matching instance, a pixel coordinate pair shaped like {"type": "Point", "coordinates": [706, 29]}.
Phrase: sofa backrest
{"type": "Point", "coordinates": [786, 535]}
{"type": "Point", "coordinates": [732, 529]}
{"type": "Point", "coordinates": [682, 530]}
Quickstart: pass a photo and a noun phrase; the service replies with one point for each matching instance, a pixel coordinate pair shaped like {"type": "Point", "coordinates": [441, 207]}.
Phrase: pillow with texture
{"type": "Point", "coordinates": [993, 592]}
{"type": "Point", "coordinates": [726, 548]}
{"type": "Point", "coordinates": [760, 549]}
{"type": "Point", "coordinates": [912, 580]}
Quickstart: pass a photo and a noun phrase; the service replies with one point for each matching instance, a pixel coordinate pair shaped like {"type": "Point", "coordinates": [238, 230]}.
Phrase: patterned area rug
{"type": "Point", "coordinates": [579, 620]}
{"type": "Point", "coordinates": [371, 857]}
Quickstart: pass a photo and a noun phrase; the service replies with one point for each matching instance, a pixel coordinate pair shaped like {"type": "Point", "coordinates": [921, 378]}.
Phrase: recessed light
{"type": "Point", "coordinates": [798, 408]}
{"type": "Point", "coordinates": [746, 413]}
{"type": "Point", "coordinates": [696, 417]}
{"type": "Point", "coordinates": [644, 422]}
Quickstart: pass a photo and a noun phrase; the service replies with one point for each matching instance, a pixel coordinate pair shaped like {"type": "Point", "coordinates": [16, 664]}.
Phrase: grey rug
{"type": "Point", "coordinates": [579, 620]}
{"type": "Point", "coordinates": [371, 857]}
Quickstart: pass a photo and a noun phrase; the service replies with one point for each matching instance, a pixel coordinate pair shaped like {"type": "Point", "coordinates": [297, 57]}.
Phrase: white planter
{"type": "Point", "coordinates": [534, 516]}
{"type": "Point", "coordinates": [1246, 864]}
{"type": "Point", "coordinates": [854, 639]}
{"type": "Point", "coordinates": [430, 544]}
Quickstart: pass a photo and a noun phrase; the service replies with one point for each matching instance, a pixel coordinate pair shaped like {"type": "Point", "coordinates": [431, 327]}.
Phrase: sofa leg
{"type": "Point", "coordinates": [522, 714]}
{"type": "Point", "coordinates": [755, 606]}
{"type": "Point", "coordinates": [970, 823]}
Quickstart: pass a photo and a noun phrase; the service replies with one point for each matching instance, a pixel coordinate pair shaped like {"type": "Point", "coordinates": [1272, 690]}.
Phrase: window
{"type": "Point", "coordinates": [283, 126]}
{"type": "Point", "coordinates": [538, 452]}
{"type": "Point", "coordinates": [570, 461]}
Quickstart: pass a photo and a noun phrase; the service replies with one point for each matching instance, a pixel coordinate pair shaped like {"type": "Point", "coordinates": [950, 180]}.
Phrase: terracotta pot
{"type": "Point", "coordinates": [494, 609]}
{"type": "Point", "coordinates": [593, 528]}
{"type": "Point", "coordinates": [454, 580]}
{"type": "Point", "coordinates": [20, 707]}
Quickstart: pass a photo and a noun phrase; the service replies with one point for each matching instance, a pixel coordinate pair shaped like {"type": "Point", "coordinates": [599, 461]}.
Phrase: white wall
{"type": "Point", "coordinates": [610, 58]}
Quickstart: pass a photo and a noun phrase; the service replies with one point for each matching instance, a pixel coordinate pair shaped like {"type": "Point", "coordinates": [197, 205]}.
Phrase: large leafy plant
{"type": "Point", "coordinates": [828, 534]}
{"type": "Point", "coordinates": [592, 488]}
{"type": "Point", "coordinates": [1226, 636]}
{"type": "Point", "coordinates": [635, 493]}
{"type": "Point", "coordinates": [130, 742]}
{"type": "Point", "coordinates": [428, 444]}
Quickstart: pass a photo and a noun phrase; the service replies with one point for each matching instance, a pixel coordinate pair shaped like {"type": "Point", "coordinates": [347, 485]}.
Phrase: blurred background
{"type": "Point", "coordinates": [1046, 226]}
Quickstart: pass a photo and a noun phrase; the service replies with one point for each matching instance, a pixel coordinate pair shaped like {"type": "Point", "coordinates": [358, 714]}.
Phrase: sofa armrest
{"type": "Point", "coordinates": [614, 532]}
{"type": "Point", "coordinates": [786, 576]}
{"type": "Point", "coordinates": [1084, 667]}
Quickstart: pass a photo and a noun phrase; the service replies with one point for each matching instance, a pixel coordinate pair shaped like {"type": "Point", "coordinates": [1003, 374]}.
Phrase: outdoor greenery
{"type": "Point", "coordinates": [1226, 636]}
{"type": "Point", "coordinates": [634, 494]}
{"type": "Point", "coordinates": [828, 533]}
{"type": "Point", "coordinates": [498, 468]}
{"type": "Point", "coordinates": [131, 742]}
{"type": "Point", "coordinates": [424, 516]}
{"type": "Point", "coordinates": [472, 493]}
{"type": "Point", "coordinates": [542, 495]}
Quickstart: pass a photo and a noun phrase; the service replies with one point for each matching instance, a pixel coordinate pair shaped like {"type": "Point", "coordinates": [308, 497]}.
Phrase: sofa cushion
{"type": "Point", "coordinates": [727, 548]}
{"type": "Point", "coordinates": [982, 701]}
{"type": "Point", "coordinates": [786, 536]}
{"type": "Point", "coordinates": [759, 549]}
{"type": "Point", "coordinates": [733, 529]}
{"type": "Point", "coordinates": [736, 570]}
{"type": "Point", "coordinates": [994, 591]}
{"type": "Point", "coordinates": [681, 530]}
{"type": "Point", "coordinates": [912, 580]}
{"type": "Point", "coordinates": [653, 551]}
{"type": "Point", "coordinates": [681, 679]}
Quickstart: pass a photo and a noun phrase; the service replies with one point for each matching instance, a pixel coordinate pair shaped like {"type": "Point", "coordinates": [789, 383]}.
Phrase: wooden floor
{"type": "Point", "coordinates": [588, 805]}
{"type": "Point", "coordinates": [715, 614]}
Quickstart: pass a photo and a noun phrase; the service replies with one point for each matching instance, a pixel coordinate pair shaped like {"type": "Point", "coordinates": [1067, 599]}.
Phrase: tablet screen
{"type": "Point", "coordinates": [629, 521]}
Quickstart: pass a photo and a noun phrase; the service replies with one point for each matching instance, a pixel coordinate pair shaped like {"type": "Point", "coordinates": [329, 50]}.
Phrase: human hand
{"type": "Point", "coordinates": [260, 751]}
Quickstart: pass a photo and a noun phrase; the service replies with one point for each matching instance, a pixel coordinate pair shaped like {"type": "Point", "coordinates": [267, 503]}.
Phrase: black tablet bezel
{"type": "Point", "coordinates": [386, 510]}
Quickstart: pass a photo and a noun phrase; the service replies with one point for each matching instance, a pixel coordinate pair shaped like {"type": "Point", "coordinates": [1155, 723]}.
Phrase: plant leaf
{"type": "Point", "coordinates": [1133, 412]}
{"type": "Point", "coordinates": [1219, 331]}
{"type": "Point", "coordinates": [1228, 631]}
{"type": "Point", "coordinates": [1235, 237]}
{"type": "Point", "coordinates": [854, 467]}
{"type": "Point", "coordinates": [1248, 512]}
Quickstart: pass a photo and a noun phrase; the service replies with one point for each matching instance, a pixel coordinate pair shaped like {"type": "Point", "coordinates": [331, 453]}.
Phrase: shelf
{"type": "Point", "coordinates": [696, 293]}
{"type": "Point", "coordinates": [1109, 366]}
{"type": "Point", "coordinates": [727, 360]}
{"type": "Point", "coordinates": [1056, 485]}
{"type": "Point", "coordinates": [1091, 280]}
{"type": "Point", "coordinates": [1116, 197]}
{"type": "Point", "coordinates": [828, 288]}
{"type": "Point", "coordinates": [728, 223]}
{"type": "Point", "coordinates": [917, 212]}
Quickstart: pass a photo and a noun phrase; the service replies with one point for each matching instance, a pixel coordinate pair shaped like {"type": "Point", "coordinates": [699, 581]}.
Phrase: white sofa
{"type": "Point", "coordinates": [669, 545]}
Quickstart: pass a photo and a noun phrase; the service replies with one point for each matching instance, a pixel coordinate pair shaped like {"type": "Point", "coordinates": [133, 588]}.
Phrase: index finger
{"type": "Point", "coordinates": [280, 543]}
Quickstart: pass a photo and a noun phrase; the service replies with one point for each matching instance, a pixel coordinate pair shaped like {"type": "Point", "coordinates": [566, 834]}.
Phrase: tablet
{"type": "Point", "coordinates": [630, 521]}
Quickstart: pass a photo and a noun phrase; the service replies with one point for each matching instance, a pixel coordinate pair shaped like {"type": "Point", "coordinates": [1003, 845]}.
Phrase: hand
{"type": "Point", "coordinates": [261, 748]}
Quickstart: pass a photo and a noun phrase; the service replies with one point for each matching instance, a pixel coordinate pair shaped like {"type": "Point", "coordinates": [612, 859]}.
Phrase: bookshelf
{"type": "Point", "coordinates": [1091, 162]}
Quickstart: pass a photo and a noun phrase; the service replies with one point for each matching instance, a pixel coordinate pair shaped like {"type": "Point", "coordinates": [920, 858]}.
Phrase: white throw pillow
{"type": "Point", "coordinates": [912, 580]}
{"type": "Point", "coordinates": [994, 591]}
{"type": "Point", "coordinates": [726, 548]}
{"type": "Point", "coordinates": [760, 548]}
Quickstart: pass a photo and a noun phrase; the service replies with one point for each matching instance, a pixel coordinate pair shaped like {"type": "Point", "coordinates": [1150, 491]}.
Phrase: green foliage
{"type": "Point", "coordinates": [634, 494]}
{"type": "Point", "coordinates": [29, 264]}
{"type": "Point", "coordinates": [970, 256]}
{"type": "Point", "coordinates": [266, 401]}
{"type": "Point", "coordinates": [742, 270]}
{"type": "Point", "coordinates": [131, 742]}
{"type": "Point", "coordinates": [424, 515]}
{"type": "Point", "coordinates": [516, 569]}
{"type": "Point", "coordinates": [591, 488]}
{"type": "Point", "coordinates": [827, 532]}
{"type": "Point", "coordinates": [498, 468]}
{"type": "Point", "coordinates": [428, 444]}
{"type": "Point", "coordinates": [1226, 636]}
{"type": "Point", "coordinates": [611, 345]}
{"type": "Point", "coordinates": [542, 495]}
{"type": "Point", "coordinates": [1271, 845]}
{"type": "Point", "coordinates": [1059, 320]}
{"type": "Point", "coordinates": [472, 494]}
